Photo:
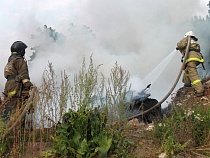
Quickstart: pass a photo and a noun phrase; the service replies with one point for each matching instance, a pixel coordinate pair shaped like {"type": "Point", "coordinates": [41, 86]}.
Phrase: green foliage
{"type": "Point", "coordinates": [201, 120]}
{"type": "Point", "coordinates": [121, 146]}
{"type": "Point", "coordinates": [5, 142]}
{"type": "Point", "coordinates": [184, 129]}
{"type": "Point", "coordinates": [3, 145]}
{"type": "Point", "coordinates": [51, 103]}
{"type": "Point", "coordinates": [85, 86]}
{"type": "Point", "coordinates": [86, 129]}
{"type": "Point", "coordinates": [82, 134]}
{"type": "Point", "coordinates": [115, 93]}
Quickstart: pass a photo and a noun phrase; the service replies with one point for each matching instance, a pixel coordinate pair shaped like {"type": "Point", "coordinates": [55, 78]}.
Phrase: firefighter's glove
{"type": "Point", "coordinates": [28, 84]}
{"type": "Point", "coordinates": [177, 48]}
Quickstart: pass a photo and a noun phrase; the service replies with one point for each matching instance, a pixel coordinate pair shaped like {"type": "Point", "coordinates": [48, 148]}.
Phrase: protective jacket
{"type": "Point", "coordinates": [194, 58]}
{"type": "Point", "coordinates": [194, 50]}
{"type": "Point", "coordinates": [16, 73]}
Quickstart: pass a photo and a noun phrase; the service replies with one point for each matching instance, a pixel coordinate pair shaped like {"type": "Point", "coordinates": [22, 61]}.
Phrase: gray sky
{"type": "Point", "coordinates": [138, 34]}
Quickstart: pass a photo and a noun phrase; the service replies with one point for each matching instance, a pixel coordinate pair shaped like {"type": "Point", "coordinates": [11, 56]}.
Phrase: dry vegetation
{"type": "Point", "coordinates": [183, 132]}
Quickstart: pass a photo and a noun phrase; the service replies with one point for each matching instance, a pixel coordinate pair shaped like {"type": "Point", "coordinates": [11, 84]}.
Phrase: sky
{"type": "Point", "coordinates": [137, 34]}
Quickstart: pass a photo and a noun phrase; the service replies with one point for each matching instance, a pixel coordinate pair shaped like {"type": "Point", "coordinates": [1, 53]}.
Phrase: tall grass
{"type": "Point", "coordinates": [55, 97]}
{"type": "Point", "coordinates": [185, 129]}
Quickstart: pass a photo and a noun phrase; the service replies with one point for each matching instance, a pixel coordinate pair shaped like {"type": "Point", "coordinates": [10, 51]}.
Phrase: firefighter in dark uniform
{"type": "Point", "coordinates": [191, 77]}
{"type": "Point", "coordinates": [18, 81]}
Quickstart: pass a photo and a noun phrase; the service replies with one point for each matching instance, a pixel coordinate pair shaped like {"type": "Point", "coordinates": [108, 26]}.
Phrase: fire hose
{"type": "Point", "coordinates": [134, 116]}
{"type": "Point", "coordinates": [172, 88]}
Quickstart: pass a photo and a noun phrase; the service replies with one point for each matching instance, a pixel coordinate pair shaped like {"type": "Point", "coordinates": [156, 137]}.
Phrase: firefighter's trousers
{"type": "Point", "coordinates": [191, 76]}
{"type": "Point", "coordinates": [10, 108]}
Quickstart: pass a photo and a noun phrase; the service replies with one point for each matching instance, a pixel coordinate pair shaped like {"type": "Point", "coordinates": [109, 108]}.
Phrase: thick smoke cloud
{"type": "Point", "coordinates": [136, 34]}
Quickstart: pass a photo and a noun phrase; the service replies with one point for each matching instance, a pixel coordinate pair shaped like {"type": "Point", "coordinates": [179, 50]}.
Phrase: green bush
{"type": "Point", "coordinates": [201, 120]}
{"type": "Point", "coordinates": [86, 129]}
{"type": "Point", "coordinates": [83, 134]}
{"type": "Point", "coordinates": [184, 129]}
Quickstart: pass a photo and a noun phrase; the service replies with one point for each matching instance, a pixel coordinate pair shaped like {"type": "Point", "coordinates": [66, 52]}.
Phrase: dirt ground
{"type": "Point", "coordinates": [146, 146]}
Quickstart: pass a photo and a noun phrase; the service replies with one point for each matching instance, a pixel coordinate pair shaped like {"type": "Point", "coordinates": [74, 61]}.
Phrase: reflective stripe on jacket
{"type": "Point", "coordinates": [195, 59]}
{"type": "Point", "coordinates": [196, 81]}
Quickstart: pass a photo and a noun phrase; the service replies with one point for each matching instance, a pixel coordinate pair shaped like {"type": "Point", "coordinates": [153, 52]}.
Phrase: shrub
{"type": "Point", "coordinates": [184, 128]}
{"type": "Point", "coordinates": [86, 129]}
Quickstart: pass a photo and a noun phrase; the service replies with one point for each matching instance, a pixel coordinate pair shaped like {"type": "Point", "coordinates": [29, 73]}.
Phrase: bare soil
{"type": "Point", "coordinates": [146, 146]}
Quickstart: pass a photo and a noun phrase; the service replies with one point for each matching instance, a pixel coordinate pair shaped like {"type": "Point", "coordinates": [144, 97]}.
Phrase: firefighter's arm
{"type": "Point", "coordinates": [23, 74]}
{"type": "Point", "coordinates": [181, 45]}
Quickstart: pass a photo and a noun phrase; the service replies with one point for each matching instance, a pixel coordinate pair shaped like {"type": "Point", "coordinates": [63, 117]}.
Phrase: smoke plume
{"type": "Point", "coordinates": [136, 34]}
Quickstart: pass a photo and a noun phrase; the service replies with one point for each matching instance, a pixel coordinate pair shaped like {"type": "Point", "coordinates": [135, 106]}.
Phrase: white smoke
{"type": "Point", "coordinates": [138, 34]}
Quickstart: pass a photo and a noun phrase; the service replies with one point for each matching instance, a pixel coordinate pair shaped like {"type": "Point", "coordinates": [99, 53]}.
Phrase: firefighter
{"type": "Point", "coordinates": [191, 77]}
{"type": "Point", "coordinates": [18, 81]}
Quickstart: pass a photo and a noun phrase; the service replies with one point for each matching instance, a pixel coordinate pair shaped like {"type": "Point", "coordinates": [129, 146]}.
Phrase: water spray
{"type": "Point", "coordinates": [153, 76]}
{"type": "Point", "coordinates": [174, 85]}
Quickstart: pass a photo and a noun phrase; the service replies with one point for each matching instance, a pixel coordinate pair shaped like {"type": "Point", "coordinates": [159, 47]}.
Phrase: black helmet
{"type": "Point", "coordinates": [18, 47]}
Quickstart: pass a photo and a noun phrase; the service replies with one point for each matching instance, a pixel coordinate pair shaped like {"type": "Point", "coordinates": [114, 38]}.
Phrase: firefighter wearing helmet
{"type": "Point", "coordinates": [18, 81]}
{"type": "Point", "coordinates": [191, 77]}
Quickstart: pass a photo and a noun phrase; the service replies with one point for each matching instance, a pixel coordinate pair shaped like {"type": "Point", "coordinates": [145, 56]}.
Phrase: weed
{"type": "Point", "coordinates": [86, 129]}
{"type": "Point", "coordinates": [183, 129]}
{"type": "Point", "coordinates": [78, 116]}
